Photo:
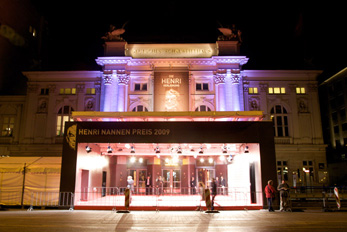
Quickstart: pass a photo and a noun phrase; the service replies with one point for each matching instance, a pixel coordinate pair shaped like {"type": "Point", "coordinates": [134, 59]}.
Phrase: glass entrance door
{"type": "Point", "coordinates": [172, 180]}
{"type": "Point", "coordinates": [139, 177]}
{"type": "Point", "coordinates": [205, 176]}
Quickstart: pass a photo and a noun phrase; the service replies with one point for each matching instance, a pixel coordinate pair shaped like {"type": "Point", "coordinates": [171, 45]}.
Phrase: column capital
{"type": "Point", "coordinates": [123, 77]}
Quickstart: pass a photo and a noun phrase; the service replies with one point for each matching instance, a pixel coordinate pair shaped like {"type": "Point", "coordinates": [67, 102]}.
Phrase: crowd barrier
{"type": "Point", "coordinates": [157, 197]}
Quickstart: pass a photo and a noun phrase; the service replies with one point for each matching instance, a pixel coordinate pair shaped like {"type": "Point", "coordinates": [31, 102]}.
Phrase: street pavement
{"type": "Point", "coordinates": [244, 220]}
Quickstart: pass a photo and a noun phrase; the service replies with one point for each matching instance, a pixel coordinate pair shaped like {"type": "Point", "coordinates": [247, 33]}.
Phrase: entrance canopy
{"type": "Point", "coordinates": [168, 116]}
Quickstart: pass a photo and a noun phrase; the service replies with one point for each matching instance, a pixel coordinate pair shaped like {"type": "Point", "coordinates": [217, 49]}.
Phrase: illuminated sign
{"type": "Point", "coordinates": [171, 50]}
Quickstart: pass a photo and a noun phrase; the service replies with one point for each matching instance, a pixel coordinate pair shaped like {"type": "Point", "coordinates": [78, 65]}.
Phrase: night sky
{"type": "Point", "coordinates": [275, 36]}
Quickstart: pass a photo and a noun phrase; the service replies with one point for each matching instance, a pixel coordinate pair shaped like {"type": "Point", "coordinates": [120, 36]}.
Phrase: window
{"type": "Point", "coordinates": [202, 86]}
{"type": "Point", "coordinates": [308, 168]}
{"type": "Point", "coordinates": [282, 171]}
{"type": "Point", "coordinates": [279, 117]}
{"type": "Point", "coordinates": [140, 108]}
{"type": "Point", "coordinates": [202, 108]}
{"type": "Point", "coordinates": [44, 91]}
{"type": "Point", "coordinates": [277, 90]}
{"type": "Point", "coordinates": [64, 115]}
{"type": "Point", "coordinates": [7, 126]}
{"type": "Point", "coordinates": [67, 91]}
{"type": "Point", "coordinates": [140, 87]}
{"type": "Point", "coordinates": [300, 90]}
{"type": "Point", "coordinates": [90, 91]}
{"type": "Point", "coordinates": [253, 90]}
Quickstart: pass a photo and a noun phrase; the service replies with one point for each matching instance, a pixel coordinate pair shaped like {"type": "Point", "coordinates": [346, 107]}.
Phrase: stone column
{"type": "Point", "coordinates": [235, 92]}
{"type": "Point", "coordinates": [219, 80]}
{"type": "Point", "coordinates": [110, 92]}
{"type": "Point", "coordinates": [123, 80]}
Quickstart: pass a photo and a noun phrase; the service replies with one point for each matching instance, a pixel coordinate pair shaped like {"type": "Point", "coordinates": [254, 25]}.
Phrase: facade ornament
{"type": "Point", "coordinates": [254, 104]}
{"type": "Point", "coordinates": [32, 88]}
{"type": "Point", "coordinates": [123, 77]}
{"type": "Point", "coordinates": [107, 76]}
{"type": "Point", "coordinates": [80, 88]}
{"type": "Point", "coordinates": [219, 76]}
{"type": "Point", "coordinates": [89, 104]}
{"type": "Point", "coordinates": [302, 106]}
{"type": "Point", "coordinates": [235, 78]}
{"type": "Point", "coordinates": [42, 107]}
{"type": "Point", "coordinates": [263, 87]}
{"type": "Point", "coordinates": [51, 88]}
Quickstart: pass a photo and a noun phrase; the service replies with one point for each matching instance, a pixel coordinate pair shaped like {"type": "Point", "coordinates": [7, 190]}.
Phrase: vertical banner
{"type": "Point", "coordinates": [171, 91]}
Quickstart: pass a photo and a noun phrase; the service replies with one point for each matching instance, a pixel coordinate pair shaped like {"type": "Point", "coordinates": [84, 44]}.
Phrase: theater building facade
{"type": "Point", "coordinates": [177, 114]}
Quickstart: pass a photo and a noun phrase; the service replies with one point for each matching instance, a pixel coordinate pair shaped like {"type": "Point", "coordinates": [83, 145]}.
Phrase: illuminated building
{"type": "Point", "coordinates": [177, 111]}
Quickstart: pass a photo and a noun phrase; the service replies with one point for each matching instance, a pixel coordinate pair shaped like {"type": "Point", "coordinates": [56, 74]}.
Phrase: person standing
{"type": "Point", "coordinates": [284, 195]}
{"type": "Point", "coordinates": [270, 195]}
{"type": "Point", "coordinates": [193, 186]}
{"type": "Point", "coordinates": [202, 194]}
{"type": "Point", "coordinates": [214, 192]}
{"type": "Point", "coordinates": [222, 184]}
{"type": "Point", "coordinates": [148, 185]}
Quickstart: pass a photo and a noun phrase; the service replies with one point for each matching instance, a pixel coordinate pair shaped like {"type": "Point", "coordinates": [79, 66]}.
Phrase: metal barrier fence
{"type": "Point", "coordinates": [52, 199]}
{"type": "Point", "coordinates": [161, 197]}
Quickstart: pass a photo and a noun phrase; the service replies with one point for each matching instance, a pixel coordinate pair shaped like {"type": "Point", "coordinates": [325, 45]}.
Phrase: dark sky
{"type": "Point", "coordinates": [275, 36]}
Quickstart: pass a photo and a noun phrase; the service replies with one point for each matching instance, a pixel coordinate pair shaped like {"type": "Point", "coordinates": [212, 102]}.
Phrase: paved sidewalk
{"type": "Point", "coordinates": [252, 220]}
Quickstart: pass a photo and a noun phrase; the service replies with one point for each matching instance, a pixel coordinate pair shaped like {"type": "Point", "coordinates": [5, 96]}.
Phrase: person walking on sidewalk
{"type": "Point", "coordinates": [284, 195]}
{"type": "Point", "coordinates": [270, 195]}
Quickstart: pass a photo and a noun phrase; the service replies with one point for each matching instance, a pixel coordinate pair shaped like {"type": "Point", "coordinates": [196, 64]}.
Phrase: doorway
{"type": "Point", "coordinates": [205, 176]}
{"type": "Point", "coordinates": [139, 177]}
{"type": "Point", "coordinates": [84, 185]}
{"type": "Point", "coordinates": [172, 180]}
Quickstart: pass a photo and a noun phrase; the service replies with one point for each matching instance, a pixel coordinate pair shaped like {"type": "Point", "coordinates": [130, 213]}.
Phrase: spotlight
{"type": "Point", "coordinates": [246, 149]}
{"type": "Point", "coordinates": [132, 159]}
{"type": "Point", "coordinates": [210, 160]}
{"type": "Point", "coordinates": [195, 156]}
{"type": "Point", "coordinates": [201, 151]}
{"type": "Point", "coordinates": [157, 150]}
{"type": "Point", "coordinates": [230, 158]}
{"type": "Point", "coordinates": [179, 150]}
{"type": "Point", "coordinates": [202, 160]}
{"type": "Point", "coordinates": [109, 149]}
{"type": "Point", "coordinates": [88, 149]}
{"type": "Point", "coordinates": [132, 149]}
{"type": "Point", "coordinates": [141, 160]}
{"type": "Point", "coordinates": [224, 149]}
{"type": "Point", "coordinates": [222, 158]}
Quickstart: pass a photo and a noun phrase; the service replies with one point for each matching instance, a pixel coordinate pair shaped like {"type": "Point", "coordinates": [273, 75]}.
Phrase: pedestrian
{"type": "Point", "coordinates": [214, 192]}
{"type": "Point", "coordinates": [160, 185]}
{"type": "Point", "coordinates": [130, 184]}
{"type": "Point", "coordinates": [148, 185]}
{"type": "Point", "coordinates": [222, 184]}
{"type": "Point", "coordinates": [202, 194]}
{"type": "Point", "coordinates": [270, 194]}
{"type": "Point", "coordinates": [284, 195]}
{"type": "Point", "coordinates": [193, 185]}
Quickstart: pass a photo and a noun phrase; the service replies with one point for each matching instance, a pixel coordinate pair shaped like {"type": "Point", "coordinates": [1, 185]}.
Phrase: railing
{"type": "Point", "coordinates": [166, 197]}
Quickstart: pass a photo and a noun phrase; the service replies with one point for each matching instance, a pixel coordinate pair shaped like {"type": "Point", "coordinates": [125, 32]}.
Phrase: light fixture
{"type": "Point", "coordinates": [179, 150]}
{"type": "Point", "coordinates": [246, 149]}
{"type": "Point", "coordinates": [202, 160]}
{"type": "Point", "coordinates": [224, 149]}
{"type": "Point", "coordinates": [195, 156]}
{"type": "Point", "coordinates": [132, 159]}
{"type": "Point", "coordinates": [88, 149]}
{"type": "Point", "coordinates": [210, 160]}
{"type": "Point", "coordinates": [201, 150]}
{"type": "Point", "coordinates": [157, 150]}
{"type": "Point", "coordinates": [109, 149]}
{"type": "Point", "coordinates": [222, 158]}
{"type": "Point", "coordinates": [230, 158]}
{"type": "Point", "coordinates": [132, 149]}
{"type": "Point", "coordinates": [141, 160]}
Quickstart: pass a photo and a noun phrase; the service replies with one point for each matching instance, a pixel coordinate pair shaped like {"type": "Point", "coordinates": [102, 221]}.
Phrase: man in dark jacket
{"type": "Point", "coordinates": [284, 195]}
{"type": "Point", "coordinates": [214, 191]}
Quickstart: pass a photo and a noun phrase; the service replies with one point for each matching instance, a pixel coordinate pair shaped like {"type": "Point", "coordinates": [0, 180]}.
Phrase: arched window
{"type": "Point", "coordinates": [64, 115]}
{"type": "Point", "coordinates": [202, 108]}
{"type": "Point", "coordinates": [140, 108]}
{"type": "Point", "coordinates": [279, 117]}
